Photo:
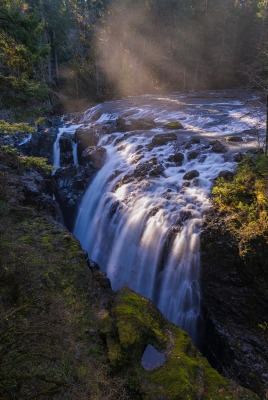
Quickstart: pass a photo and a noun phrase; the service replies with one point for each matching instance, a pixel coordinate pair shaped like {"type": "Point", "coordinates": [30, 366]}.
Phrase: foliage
{"type": "Point", "coordinates": [21, 54]}
{"type": "Point", "coordinates": [21, 127]}
{"type": "Point", "coordinates": [10, 150]}
{"type": "Point", "coordinates": [38, 163]}
{"type": "Point", "coordinates": [185, 374]}
{"type": "Point", "coordinates": [99, 48]}
{"type": "Point", "coordinates": [245, 200]}
{"type": "Point", "coordinates": [26, 162]}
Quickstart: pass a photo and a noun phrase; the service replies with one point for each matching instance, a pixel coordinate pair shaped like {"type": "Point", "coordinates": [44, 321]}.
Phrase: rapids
{"type": "Point", "coordinates": [140, 219]}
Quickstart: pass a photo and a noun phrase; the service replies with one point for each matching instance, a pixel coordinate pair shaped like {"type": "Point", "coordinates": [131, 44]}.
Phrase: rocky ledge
{"type": "Point", "coordinates": [235, 297]}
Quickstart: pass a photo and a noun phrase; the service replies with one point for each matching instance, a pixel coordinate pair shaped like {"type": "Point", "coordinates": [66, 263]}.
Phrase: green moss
{"type": "Point", "coordinates": [186, 374]}
{"type": "Point", "coordinates": [137, 320]}
{"type": "Point", "coordinates": [245, 200]}
{"type": "Point", "coordinates": [173, 125]}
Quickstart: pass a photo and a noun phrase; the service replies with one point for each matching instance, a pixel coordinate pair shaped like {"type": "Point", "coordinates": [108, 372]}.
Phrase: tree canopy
{"type": "Point", "coordinates": [99, 48]}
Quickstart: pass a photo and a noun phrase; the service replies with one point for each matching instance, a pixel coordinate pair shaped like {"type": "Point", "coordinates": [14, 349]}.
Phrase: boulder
{"type": "Point", "coordinates": [177, 158]}
{"type": "Point", "coordinates": [163, 138]}
{"type": "Point", "coordinates": [234, 138]}
{"type": "Point", "coordinates": [95, 156]}
{"type": "Point", "coordinates": [227, 175]}
{"type": "Point", "coordinates": [70, 184]}
{"type": "Point", "coordinates": [191, 175]}
{"type": "Point", "coordinates": [192, 155]}
{"type": "Point", "coordinates": [134, 322]}
{"type": "Point", "coordinates": [173, 125]}
{"type": "Point", "coordinates": [217, 147]}
{"type": "Point", "coordinates": [66, 153]}
{"type": "Point", "coordinates": [85, 137]}
{"type": "Point", "coordinates": [132, 125]}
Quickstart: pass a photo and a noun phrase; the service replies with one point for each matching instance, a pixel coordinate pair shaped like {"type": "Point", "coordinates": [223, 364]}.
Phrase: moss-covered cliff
{"type": "Point", "coordinates": [63, 333]}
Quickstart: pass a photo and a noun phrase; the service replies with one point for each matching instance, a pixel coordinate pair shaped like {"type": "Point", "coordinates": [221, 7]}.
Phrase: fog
{"type": "Point", "coordinates": [141, 49]}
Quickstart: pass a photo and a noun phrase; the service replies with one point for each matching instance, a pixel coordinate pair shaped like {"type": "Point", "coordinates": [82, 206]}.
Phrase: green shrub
{"type": "Point", "coordinates": [38, 163]}
{"type": "Point", "coordinates": [10, 129]}
{"type": "Point", "coordinates": [245, 200]}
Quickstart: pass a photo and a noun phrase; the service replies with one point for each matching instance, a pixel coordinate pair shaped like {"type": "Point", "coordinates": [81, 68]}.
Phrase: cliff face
{"type": "Point", "coordinates": [235, 297]}
{"type": "Point", "coordinates": [64, 334]}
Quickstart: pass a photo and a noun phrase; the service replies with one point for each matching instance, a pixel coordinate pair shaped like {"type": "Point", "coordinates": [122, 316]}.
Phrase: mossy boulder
{"type": "Point", "coordinates": [186, 374]}
{"type": "Point", "coordinates": [173, 125]}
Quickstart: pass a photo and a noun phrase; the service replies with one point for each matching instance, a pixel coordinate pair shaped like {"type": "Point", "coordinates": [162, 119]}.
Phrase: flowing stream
{"type": "Point", "coordinates": [65, 129]}
{"type": "Point", "coordinates": [141, 216]}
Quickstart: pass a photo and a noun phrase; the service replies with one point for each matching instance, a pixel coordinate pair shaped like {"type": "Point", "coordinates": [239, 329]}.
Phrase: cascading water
{"type": "Point", "coordinates": [140, 218]}
{"type": "Point", "coordinates": [70, 130]}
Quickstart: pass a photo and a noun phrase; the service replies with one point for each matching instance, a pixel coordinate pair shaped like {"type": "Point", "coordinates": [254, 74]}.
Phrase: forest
{"type": "Point", "coordinates": [57, 51]}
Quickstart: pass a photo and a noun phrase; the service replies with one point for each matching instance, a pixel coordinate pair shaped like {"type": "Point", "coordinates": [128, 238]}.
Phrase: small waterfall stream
{"type": "Point", "coordinates": [70, 130]}
{"type": "Point", "coordinates": [141, 216]}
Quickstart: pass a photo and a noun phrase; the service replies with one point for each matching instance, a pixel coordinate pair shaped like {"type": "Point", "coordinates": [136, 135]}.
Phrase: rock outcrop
{"type": "Point", "coordinates": [235, 297]}
{"type": "Point", "coordinates": [69, 185]}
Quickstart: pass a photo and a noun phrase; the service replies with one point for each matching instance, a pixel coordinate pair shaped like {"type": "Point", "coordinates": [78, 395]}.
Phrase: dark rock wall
{"type": "Point", "coordinates": [235, 300]}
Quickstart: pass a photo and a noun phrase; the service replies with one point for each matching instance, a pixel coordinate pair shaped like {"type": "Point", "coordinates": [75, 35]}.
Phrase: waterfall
{"type": "Point", "coordinates": [145, 233]}
{"type": "Point", "coordinates": [56, 149]}
{"type": "Point", "coordinates": [75, 155]}
{"type": "Point", "coordinates": [140, 218]}
{"type": "Point", "coordinates": [70, 130]}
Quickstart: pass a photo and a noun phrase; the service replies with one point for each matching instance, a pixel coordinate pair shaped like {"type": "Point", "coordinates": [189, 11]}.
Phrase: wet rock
{"type": "Point", "coordinates": [142, 172]}
{"type": "Point", "coordinates": [217, 147]}
{"type": "Point", "coordinates": [238, 157]}
{"type": "Point", "coordinates": [41, 144]}
{"type": "Point", "coordinates": [234, 139]}
{"type": "Point", "coordinates": [65, 143]}
{"type": "Point", "coordinates": [191, 175]}
{"type": "Point", "coordinates": [95, 156]}
{"type": "Point", "coordinates": [66, 154]}
{"type": "Point", "coordinates": [85, 137]}
{"type": "Point", "coordinates": [184, 216]}
{"type": "Point", "coordinates": [70, 183]}
{"type": "Point", "coordinates": [227, 175]}
{"type": "Point", "coordinates": [157, 170]}
{"type": "Point", "coordinates": [177, 158]}
{"type": "Point", "coordinates": [195, 140]}
{"type": "Point", "coordinates": [131, 125]}
{"type": "Point", "coordinates": [173, 125]}
{"type": "Point", "coordinates": [162, 139]}
{"type": "Point", "coordinates": [251, 132]}
{"type": "Point", "coordinates": [192, 155]}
